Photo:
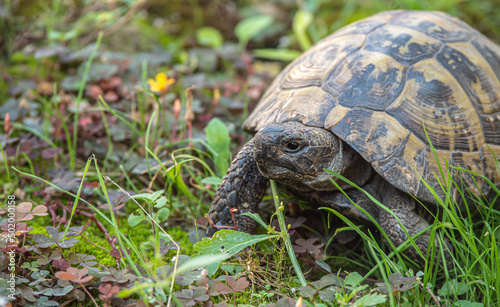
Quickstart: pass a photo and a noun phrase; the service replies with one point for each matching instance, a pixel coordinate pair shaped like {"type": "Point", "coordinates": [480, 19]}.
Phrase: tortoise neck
{"type": "Point", "coordinates": [351, 165]}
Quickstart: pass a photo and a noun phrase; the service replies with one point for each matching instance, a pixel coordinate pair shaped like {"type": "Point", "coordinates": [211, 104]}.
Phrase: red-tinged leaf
{"type": "Point", "coordinates": [115, 253]}
{"type": "Point", "coordinates": [92, 185]}
{"type": "Point", "coordinates": [83, 272]}
{"type": "Point", "coordinates": [119, 207]}
{"type": "Point", "coordinates": [299, 249]}
{"type": "Point", "coordinates": [108, 290]}
{"type": "Point", "coordinates": [83, 280]}
{"type": "Point", "coordinates": [85, 122]}
{"type": "Point", "coordinates": [24, 147]}
{"type": "Point", "coordinates": [6, 123]}
{"type": "Point", "coordinates": [111, 84]}
{"type": "Point", "coordinates": [21, 250]}
{"type": "Point", "coordinates": [21, 228]}
{"type": "Point", "coordinates": [106, 206]}
{"type": "Point", "coordinates": [224, 289]}
{"type": "Point", "coordinates": [94, 91]}
{"type": "Point", "coordinates": [50, 153]}
{"type": "Point", "coordinates": [307, 245]}
{"type": "Point", "coordinates": [61, 264]}
{"type": "Point", "coordinates": [73, 271]}
{"type": "Point", "coordinates": [23, 217]}
{"type": "Point", "coordinates": [39, 210]}
{"type": "Point", "coordinates": [111, 96]}
{"type": "Point", "coordinates": [205, 117]}
{"type": "Point", "coordinates": [65, 275]}
{"type": "Point", "coordinates": [114, 290]}
{"type": "Point", "coordinates": [104, 288]}
{"type": "Point", "coordinates": [24, 207]}
{"type": "Point", "coordinates": [230, 281]}
{"type": "Point", "coordinates": [241, 284]}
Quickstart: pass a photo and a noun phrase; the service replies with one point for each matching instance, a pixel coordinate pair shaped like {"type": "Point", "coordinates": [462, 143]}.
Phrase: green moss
{"type": "Point", "coordinates": [83, 246]}
{"type": "Point", "coordinates": [139, 235]}
{"type": "Point", "coordinates": [187, 248]}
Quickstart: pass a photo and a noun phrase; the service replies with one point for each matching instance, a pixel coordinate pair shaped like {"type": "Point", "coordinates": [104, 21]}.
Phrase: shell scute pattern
{"type": "Point", "coordinates": [479, 82]}
{"type": "Point", "coordinates": [437, 25]}
{"type": "Point", "coordinates": [490, 52]}
{"type": "Point", "coordinates": [470, 161]}
{"type": "Point", "coordinates": [406, 165]}
{"type": "Point", "coordinates": [410, 68]}
{"type": "Point", "coordinates": [309, 69]}
{"type": "Point", "coordinates": [364, 26]}
{"type": "Point", "coordinates": [366, 79]}
{"type": "Point", "coordinates": [402, 44]}
{"type": "Point", "coordinates": [431, 95]}
{"type": "Point", "coordinates": [489, 154]}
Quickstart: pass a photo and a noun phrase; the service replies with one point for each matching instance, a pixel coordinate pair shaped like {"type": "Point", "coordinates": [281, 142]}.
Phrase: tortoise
{"type": "Point", "coordinates": [364, 102]}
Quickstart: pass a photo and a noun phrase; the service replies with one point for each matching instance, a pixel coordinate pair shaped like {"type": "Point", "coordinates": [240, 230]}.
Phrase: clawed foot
{"type": "Point", "coordinates": [212, 223]}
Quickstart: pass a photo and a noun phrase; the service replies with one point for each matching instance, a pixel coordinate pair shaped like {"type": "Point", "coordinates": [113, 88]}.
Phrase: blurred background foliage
{"type": "Point", "coordinates": [230, 50]}
{"type": "Point", "coordinates": [179, 24]}
{"type": "Point", "coordinates": [276, 29]}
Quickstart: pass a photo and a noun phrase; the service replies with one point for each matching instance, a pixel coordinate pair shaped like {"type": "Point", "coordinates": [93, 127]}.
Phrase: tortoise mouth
{"type": "Point", "coordinates": [273, 171]}
{"type": "Point", "coordinates": [281, 173]}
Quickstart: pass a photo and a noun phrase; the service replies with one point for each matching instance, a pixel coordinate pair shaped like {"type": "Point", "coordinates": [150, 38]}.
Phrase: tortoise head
{"type": "Point", "coordinates": [296, 155]}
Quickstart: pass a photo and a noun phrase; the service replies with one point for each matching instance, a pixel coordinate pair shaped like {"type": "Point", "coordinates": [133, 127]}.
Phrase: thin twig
{"type": "Point", "coordinates": [93, 218]}
{"type": "Point", "coordinates": [85, 289]}
{"type": "Point", "coordinates": [436, 300]}
{"type": "Point", "coordinates": [81, 234]}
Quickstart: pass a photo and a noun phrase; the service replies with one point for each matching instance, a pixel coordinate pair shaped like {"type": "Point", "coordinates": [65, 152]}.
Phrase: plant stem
{"type": "Point", "coordinates": [90, 295]}
{"type": "Point", "coordinates": [79, 98]}
{"type": "Point", "coordinates": [285, 235]}
{"type": "Point", "coordinates": [88, 240]}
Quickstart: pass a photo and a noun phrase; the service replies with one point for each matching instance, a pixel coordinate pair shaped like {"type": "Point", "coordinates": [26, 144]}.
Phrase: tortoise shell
{"type": "Point", "coordinates": [378, 82]}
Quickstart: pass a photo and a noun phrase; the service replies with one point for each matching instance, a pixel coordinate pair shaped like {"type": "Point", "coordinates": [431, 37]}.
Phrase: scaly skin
{"type": "Point", "coordinates": [243, 189]}
{"type": "Point", "coordinates": [301, 169]}
{"type": "Point", "coordinates": [401, 204]}
{"type": "Point", "coordinates": [405, 208]}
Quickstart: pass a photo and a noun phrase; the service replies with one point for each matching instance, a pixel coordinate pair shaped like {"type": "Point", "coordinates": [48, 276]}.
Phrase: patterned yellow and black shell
{"type": "Point", "coordinates": [378, 82]}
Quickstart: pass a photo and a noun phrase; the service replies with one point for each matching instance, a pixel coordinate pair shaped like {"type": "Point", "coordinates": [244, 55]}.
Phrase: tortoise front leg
{"type": "Point", "coordinates": [242, 188]}
{"type": "Point", "coordinates": [401, 204]}
{"type": "Point", "coordinates": [405, 208]}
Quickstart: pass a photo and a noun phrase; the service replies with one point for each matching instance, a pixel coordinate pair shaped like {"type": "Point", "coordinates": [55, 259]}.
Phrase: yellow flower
{"type": "Point", "coordinates": [161, 83]}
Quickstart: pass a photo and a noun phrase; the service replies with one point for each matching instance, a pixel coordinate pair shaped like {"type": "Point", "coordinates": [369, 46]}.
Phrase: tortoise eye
{"type": "Point", "coordinates": [292, 146]}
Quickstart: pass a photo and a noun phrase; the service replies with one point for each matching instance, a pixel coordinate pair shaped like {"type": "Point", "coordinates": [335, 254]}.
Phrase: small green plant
{"type": "Point", "coordinates": [218, 141]}
{"type": "Point", "coordinates": [250, 27]}
{"type": "Point", "coordinates": [165, 146]}
{"type": "Point", "coordinates": [209, 36]}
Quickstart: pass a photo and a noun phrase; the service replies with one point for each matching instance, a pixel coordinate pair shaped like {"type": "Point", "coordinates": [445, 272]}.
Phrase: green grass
{"type": "Point", "coordinates": [474, 265]}
{"type": "Point", "coordinates": [188, 175]}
